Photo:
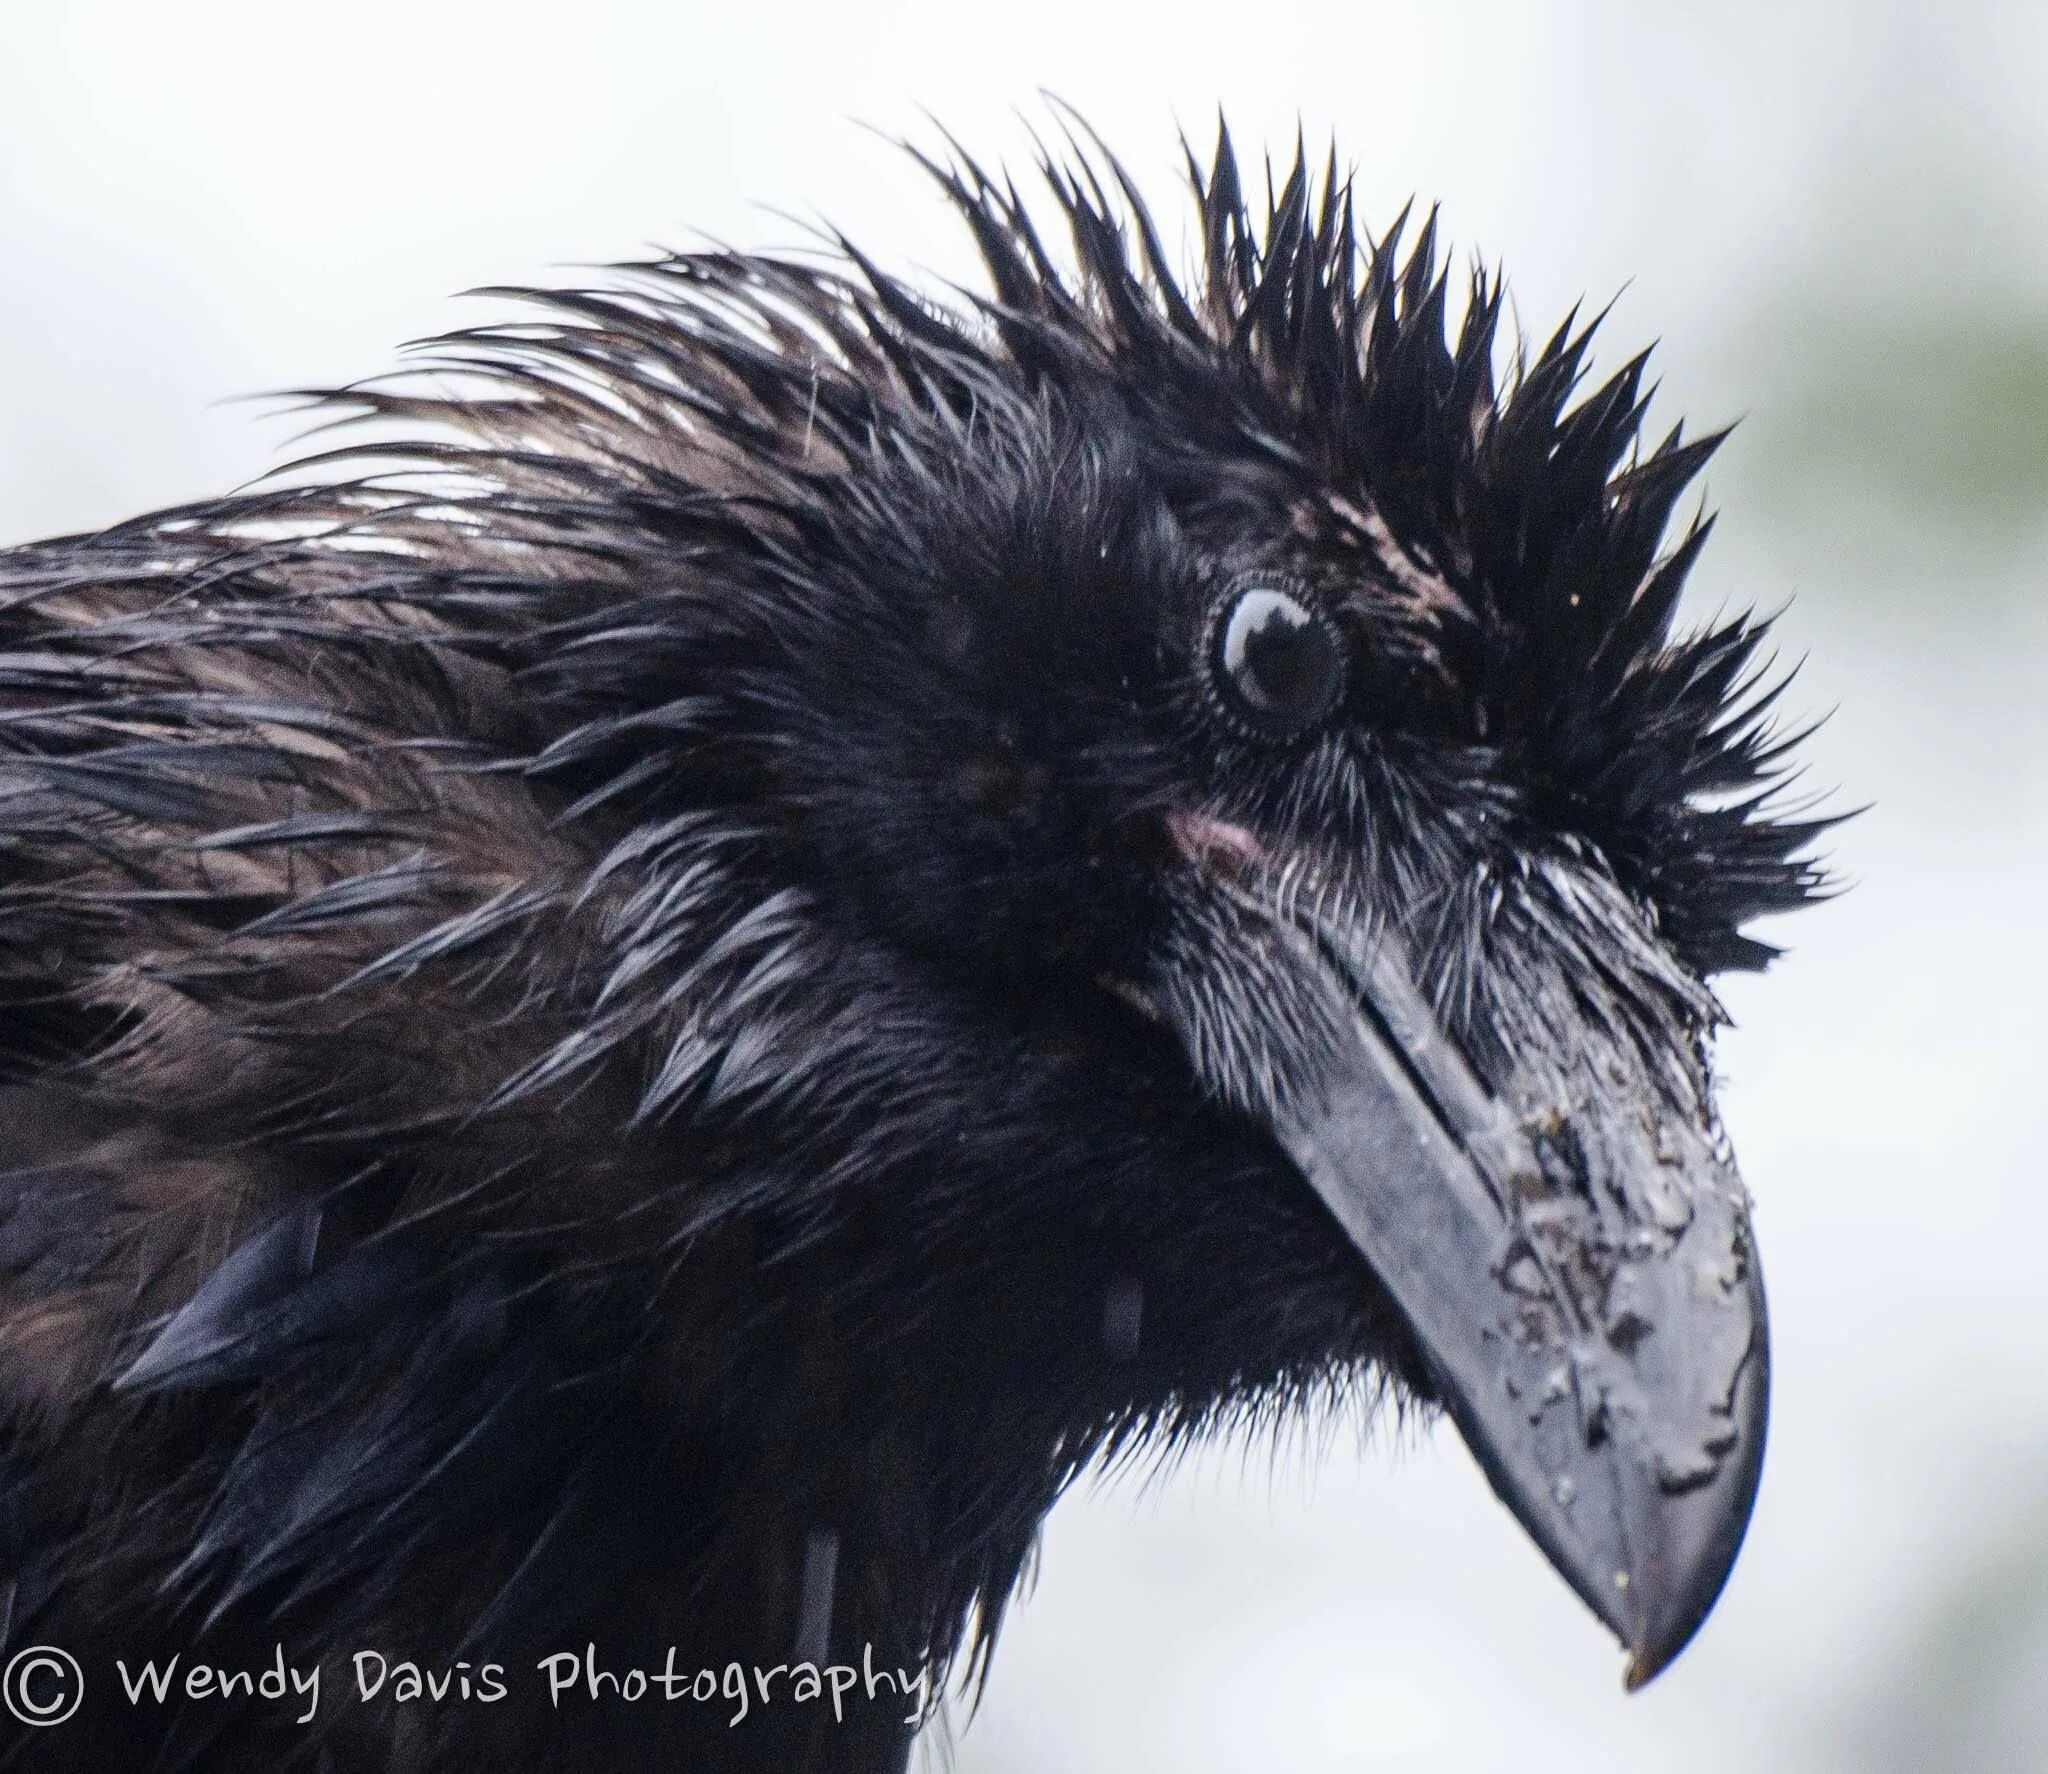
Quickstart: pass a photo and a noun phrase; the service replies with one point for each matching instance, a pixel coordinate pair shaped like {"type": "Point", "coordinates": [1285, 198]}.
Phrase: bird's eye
{"type": "Point", "coordinates": [1277, 660]}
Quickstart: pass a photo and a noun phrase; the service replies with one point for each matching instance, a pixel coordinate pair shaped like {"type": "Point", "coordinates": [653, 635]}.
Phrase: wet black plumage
{"type": "Point", "coordinates": [588, 1051]}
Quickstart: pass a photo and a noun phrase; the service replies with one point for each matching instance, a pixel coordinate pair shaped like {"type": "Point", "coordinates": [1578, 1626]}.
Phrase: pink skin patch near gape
{"type": "Point", "coordinates": [1199, 836]}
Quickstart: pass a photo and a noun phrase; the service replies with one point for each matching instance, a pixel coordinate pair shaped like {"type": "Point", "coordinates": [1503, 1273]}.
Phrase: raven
{"type": "Point", "coordinates": [767, 915]}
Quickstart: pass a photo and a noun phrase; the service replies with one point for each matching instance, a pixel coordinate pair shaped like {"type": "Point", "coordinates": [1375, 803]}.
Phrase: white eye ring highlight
{"type": "Point", "coordinates": [1276, 659]}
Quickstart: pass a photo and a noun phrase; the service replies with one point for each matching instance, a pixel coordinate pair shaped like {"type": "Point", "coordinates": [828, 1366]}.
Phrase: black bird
{"type": "Point", "coordinates": [643, 1010]}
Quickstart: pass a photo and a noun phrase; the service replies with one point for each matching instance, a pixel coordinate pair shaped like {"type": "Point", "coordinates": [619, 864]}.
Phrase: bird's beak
{"type": "Point", "coordinates": [1571, 1251]}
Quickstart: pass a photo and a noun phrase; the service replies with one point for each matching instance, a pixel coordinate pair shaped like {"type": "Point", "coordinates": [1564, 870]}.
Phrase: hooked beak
{"type": "Point", "coordinates": [1575, 1264]}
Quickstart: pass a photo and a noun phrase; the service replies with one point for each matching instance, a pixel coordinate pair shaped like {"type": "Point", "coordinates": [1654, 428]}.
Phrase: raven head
{"type": "Point", "coordinates": [1277, 731]}
{"type": "Point", "coordinates": [1165, 853]}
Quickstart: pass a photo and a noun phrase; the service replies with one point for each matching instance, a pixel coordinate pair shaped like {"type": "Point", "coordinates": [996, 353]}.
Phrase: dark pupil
{"type": "Point", "coordinates": [1280, 657]}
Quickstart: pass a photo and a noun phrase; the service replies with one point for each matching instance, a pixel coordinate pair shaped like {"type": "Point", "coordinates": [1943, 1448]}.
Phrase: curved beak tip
{"type": "Point", "coordinates": [1635, 1467]}
{"type": "Point", "coordinates": [1694, 1535]}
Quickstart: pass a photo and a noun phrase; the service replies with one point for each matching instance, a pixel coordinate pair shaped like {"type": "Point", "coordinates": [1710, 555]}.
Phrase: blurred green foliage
{"type": "Point", "coordinates": [1928, 424]}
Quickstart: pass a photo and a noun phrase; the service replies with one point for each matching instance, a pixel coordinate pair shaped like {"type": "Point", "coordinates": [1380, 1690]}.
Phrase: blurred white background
{"type": "Point", "coordinates": [1833, 216]}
